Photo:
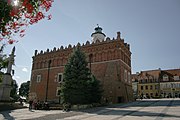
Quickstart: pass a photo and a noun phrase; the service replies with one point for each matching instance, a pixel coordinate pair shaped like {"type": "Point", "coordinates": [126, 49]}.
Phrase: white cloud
{"type": "Point", "coordinates": [24, 70]}
{"type": "Point", "coordinates": [16, 77]}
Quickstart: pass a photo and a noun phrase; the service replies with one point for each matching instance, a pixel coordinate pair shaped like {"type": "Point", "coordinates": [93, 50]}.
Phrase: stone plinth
{"type": "Point", "coordinates": [5, 88]}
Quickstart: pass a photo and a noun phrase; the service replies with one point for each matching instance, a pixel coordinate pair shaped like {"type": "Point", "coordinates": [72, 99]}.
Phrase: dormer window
{"type": "Point", "coordinates": [165, 78]}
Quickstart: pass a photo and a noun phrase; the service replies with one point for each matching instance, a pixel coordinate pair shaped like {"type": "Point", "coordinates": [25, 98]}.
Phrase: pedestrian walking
{"type": "Point", "coordinates": [30, 104]}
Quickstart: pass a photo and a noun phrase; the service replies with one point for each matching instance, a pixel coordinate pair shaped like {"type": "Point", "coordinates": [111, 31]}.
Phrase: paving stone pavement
{"type": "Point", "coordinates": [151, 109]}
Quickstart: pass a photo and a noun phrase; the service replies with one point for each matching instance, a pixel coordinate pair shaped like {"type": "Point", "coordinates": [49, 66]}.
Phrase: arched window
{"type": "Point", "coordinates": [100, 56]}
{"type": "Point", "coordinates": [37, 66]}
{"type": "Point", "coordinates": [60, 62]}
{"type": "Point", "coordinates": [105, 56]}
{"type": "Point", "coordinates": [109, 55]}
{"type": "Point", "coordinates": [41, 64]}
{"type": "Point", "coordinates": [54, 63]}
{"type": "Point", "coordinates": [115, 54]}
{"type": "Point", "coordinates": [46, 64]}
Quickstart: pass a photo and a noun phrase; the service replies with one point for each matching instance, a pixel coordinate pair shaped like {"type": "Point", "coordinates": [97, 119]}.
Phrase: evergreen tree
{"type": "Point", "coordinates": [94, 90]}
{"type": "Point", "coordinates": [76, 74]}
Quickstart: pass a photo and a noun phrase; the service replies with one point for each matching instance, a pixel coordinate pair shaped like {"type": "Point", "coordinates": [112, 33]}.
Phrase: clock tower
{"type": "Point", "coordinates": [98, 34]}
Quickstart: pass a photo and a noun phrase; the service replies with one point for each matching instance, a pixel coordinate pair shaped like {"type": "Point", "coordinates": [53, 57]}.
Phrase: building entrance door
{"type": "Point", "coordinates": [120, 99]}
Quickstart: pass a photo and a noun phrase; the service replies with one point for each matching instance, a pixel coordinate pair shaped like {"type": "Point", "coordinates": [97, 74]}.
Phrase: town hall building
{"type": "Point", "coordinates": [108, 59]}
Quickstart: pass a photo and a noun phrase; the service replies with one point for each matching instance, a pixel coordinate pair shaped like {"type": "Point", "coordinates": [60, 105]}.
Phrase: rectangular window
{"type": "Point", "coordinates": [143, 81]}
{"type": "Point", "coordinates": [125, 75]}
{"type": "Point", "coordinates": [129, 77]}
{"type": "Point", "coordinates": [165, 78]}
{"type": "Point", "coordinates": [168, 86]}
{"type": "Point", "coordinates": [146, 87]}
{"type": "Point", "coordinates": [176, 78]}
{"type": "Point", "coordinates": [141, 87]}
{"type": "Point", "coordinates": [156, 87]}
{"type": "Point", "coordinates": [38, 78]}
{"type": "Point", "coordinates": [151, 87]}
{"type": "Point", "coordinates": [60, 77]}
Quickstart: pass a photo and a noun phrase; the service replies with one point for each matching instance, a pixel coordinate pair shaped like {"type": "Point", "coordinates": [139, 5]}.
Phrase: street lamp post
{"type": "Point", "coordinates": [90, 60]}
{"type": "Point", "coordinates": [49, 63]}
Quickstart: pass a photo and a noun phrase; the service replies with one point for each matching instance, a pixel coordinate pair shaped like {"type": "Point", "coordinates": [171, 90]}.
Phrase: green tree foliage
{"type": "Point", "coordinates": [94, 90]}
{"type": "Point", "coordinates": [4, 14]}
{"type": "Point", "coordinates": [14, 90]}
{"type": "Point", "coordinates": [77, 83]}
{"type": "Point", "coordinates": [24, 89]}
{"type": "Point", "coordinates": [1, 77]}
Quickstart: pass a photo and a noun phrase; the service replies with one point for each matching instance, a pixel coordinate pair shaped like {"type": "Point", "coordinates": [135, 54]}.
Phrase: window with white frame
{"type": "Point", "coordinates": [129, 77]}
{"type": "Point", "coordinates": [165, 77]}
{"type": "Point", "coordinates": [60, 77]}
{"type": "Point", "coordinates": [168, 85]}
{"type": "Point", "coordinates": [125, 75]}
{"type": "Point", "coordinates": [58, 91]}
{"type": "Point", "coordinates": [178, 85]}
{"type": "Point", "coordinates": [38, 78]}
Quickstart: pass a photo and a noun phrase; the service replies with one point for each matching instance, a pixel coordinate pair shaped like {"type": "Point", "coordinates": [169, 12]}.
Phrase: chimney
{"type": "Point", "coordinates": [118, 35]}
{"type": "Point", "coordinates": [36, 51]}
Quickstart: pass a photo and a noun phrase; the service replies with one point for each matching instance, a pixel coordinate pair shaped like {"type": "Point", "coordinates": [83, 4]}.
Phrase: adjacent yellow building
{"type": "Point", "coordinates": [157, 83]}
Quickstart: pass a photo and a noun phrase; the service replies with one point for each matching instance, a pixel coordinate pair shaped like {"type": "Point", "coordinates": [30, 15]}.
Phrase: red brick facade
{"type": "Point", "coordinates": [110, 63]}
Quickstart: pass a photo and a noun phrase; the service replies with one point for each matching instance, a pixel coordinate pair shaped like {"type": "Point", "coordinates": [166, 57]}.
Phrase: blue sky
{"type": "Point", "coordinates": [151, 27]}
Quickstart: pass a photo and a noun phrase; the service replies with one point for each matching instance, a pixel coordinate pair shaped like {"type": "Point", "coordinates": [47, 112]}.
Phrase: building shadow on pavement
{"type": "Point", "coordinates": [6, 115]}
{"type": "Point", "coordinates": [124, 110]}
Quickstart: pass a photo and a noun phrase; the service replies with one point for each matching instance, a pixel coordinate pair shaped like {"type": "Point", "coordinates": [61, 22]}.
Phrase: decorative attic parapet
{"type": "Point", "coordinates": [54, 49]}
{"type": "Point", "coordinates": [69, 46]}
{"type": "Point", "coordinates": [87, 43]}
{"type": "Point", "coordinates": [107, 39]}
{"type": "Point", "coordinates": [36, 52]}
{"type": "Point", "coordinates": [128, 46]}
{"type": "Point", "coordinates": [41, 52]}
{"type": "Point", "coordinates": [122, 40]}
{"type": "Point", "coordinates": [61, 48]}
{"type": "Point", "coordinates": [78, 44]}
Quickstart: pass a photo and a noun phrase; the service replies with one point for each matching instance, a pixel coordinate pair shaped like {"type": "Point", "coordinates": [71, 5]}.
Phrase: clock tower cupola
{"type": "Point", "coordinates": [98, 34]}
